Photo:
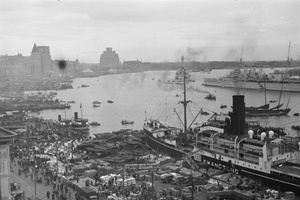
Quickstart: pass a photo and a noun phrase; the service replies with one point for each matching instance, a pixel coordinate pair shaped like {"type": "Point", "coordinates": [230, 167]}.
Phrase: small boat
{"type": "Point", "coordinates": [71, 101]}
{"type": "Point", "coordinates": [84, 85]}
{"type": "Point", "coordinates": [170, 82]}
{"type": "Point", "coordinates": [96, 102]}
{"type": "Point", "coordinates": [177, 95]}
{"type": "Point", "coordinates": [96, 105]}
{"type": "Point", "coordinates": [95, 124]}
{"type": "Point", "coordinates": [296, 114]}
{"type": "Point", "coordinates": [127, 122]}
{"type": "Point", "coordinates": [223, 106]}
{"type": "Point", "coordinates": [272, 101]}
{"type": "Point", "coordinates": [204, 113]}
{"type": "Point", "coordinates": [211, 97]}
{"type": "Point", "coordinates": [109, 101]}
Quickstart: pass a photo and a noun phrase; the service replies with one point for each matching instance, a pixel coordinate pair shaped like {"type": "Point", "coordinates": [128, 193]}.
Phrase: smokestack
{"type": "Point", "coordinates": [238, 115]}
{"type": "Point", "coordinates": [59, 118]}
{"type": "Point", "coordinates": [75, 115]}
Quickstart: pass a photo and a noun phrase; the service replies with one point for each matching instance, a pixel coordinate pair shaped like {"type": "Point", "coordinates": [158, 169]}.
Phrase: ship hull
{"type": "Point", "coordinates": [254, 85]}
{"type": "Point", "coordinates": [162, 147]}
{"type": "Point", "coordinates": [278, 182]}
{"type": "Point", "coordinates": [274, 181]}
{"type": "Point", "coordinates": [262, 113]}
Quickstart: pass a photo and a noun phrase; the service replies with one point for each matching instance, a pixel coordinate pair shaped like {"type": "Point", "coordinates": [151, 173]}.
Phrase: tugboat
{"type": "Point", "coordinates": [211, 97]}
{"type": "Point", "coordinates": [223, 106]}
{"type": "Point", "coordinates": [204, 113]}
{"type": "Point", "coordinates": [94, 124]}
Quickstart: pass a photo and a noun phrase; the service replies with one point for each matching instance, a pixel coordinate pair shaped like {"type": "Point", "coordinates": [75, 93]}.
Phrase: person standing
{"type": "Point", "coordinates": [48, 195]}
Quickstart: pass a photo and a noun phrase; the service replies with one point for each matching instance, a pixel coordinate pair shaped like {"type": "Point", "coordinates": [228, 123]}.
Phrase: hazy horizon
{"type": "Point", "coordinates": [153, 31]}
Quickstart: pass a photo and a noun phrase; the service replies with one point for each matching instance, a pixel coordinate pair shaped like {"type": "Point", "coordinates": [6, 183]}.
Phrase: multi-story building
{"type": "Point", "coordinates": [41, 60]}
{"type": "Point", "coordinates": [15, 65]}
{"type": "Point", "coordinates": [66, 66]}
{"type": "Point", "coordinates": [6, 137]}
{"type": "Point", "coordinates": [109, 58]}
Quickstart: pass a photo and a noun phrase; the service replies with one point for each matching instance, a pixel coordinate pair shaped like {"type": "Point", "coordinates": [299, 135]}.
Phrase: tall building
{"type": "Point", "coordinates": [41, 60]}
{"type": "Point", "coordinates": [109, 58]}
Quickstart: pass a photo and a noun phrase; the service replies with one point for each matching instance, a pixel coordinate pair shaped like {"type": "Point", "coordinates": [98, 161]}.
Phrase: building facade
{"type": "Point", "coordinates": [15, 65]}
{"type": "Point", "coordinates": [41, 60]}
{"type": "Point", "coordinates": [109, 58]}
{"type": "Point", "coordinates": [6, 137]}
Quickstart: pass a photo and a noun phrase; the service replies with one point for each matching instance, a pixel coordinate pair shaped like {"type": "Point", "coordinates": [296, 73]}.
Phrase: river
{"type": "Point", "coordinates": [136, 96]}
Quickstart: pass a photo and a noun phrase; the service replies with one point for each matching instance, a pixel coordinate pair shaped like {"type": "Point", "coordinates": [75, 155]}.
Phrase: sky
{"type": "Point", "coordinates": [153, 30]}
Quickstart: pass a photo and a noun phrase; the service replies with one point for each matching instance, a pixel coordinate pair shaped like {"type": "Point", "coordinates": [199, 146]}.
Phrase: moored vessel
{"type": "Point", "coordinates": [250, 79]}
{"type": "Point", "coordinates": [232, 144]}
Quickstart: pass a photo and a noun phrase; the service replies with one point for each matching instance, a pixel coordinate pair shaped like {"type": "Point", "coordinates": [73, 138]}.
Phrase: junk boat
{"type": "Point", "coordinates": [233, 144]}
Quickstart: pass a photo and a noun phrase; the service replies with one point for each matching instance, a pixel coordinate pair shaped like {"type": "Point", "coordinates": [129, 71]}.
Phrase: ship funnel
{"type": "Point", "coordinates": [238, 115]}
{"type": "Point", "coordinates": [260, 72]}
{"type": "Point", "coordinates": [75, 115]}
{"type": "Point", "coordinates": [262, 136]}
{"type": "Point", "coordinates": [271, 134]}
{"type": "Point", "coordinates": [59, 118]}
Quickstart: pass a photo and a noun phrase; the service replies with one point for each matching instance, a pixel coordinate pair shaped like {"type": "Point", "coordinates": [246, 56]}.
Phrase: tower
{"type": "Point", "coordinates": [109, 58]}
{"type": "Point", "coordinates": [41, 60]}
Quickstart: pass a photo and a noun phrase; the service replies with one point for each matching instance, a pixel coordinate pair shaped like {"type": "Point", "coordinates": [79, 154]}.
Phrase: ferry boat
{"type": "Point", "coordinates": [234, 144]}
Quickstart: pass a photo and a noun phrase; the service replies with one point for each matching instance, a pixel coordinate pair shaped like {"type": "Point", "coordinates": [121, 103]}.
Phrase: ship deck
{"type": "Point", "coordinates": [288, 170]}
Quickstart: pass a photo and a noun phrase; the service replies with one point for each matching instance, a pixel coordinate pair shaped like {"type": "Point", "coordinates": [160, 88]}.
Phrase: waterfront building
{"type": "Point", "coordinates": [6, 137]}
{"type": "Point", "coordinates": [15, 65]}
{"type": "Point", "coordinates": [41, 60]}
{"type": "Point", "coordinates": [70, 67]}
{"type": "Point", "coordinates": [109, 58]}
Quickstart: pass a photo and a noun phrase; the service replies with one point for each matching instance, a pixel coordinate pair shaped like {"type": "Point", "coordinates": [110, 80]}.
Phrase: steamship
{"type": "Point", "coordinates": [77, 124]}
{"type": "Point", "coordinates": [234, 144]}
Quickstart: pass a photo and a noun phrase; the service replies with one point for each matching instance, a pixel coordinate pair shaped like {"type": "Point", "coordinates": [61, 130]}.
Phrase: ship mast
{"type": "Point", "coordinates": [288, 65]}
{"type": "Point", "coordinates": [184, 102]}
{"type": "Point", "coordinates": [288, 58]}
{"type": "Point", "coordinates": [241, 59]}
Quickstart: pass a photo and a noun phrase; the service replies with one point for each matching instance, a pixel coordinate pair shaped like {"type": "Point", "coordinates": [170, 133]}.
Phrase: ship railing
{"type": "Point", "coordinates": [239, 159]}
